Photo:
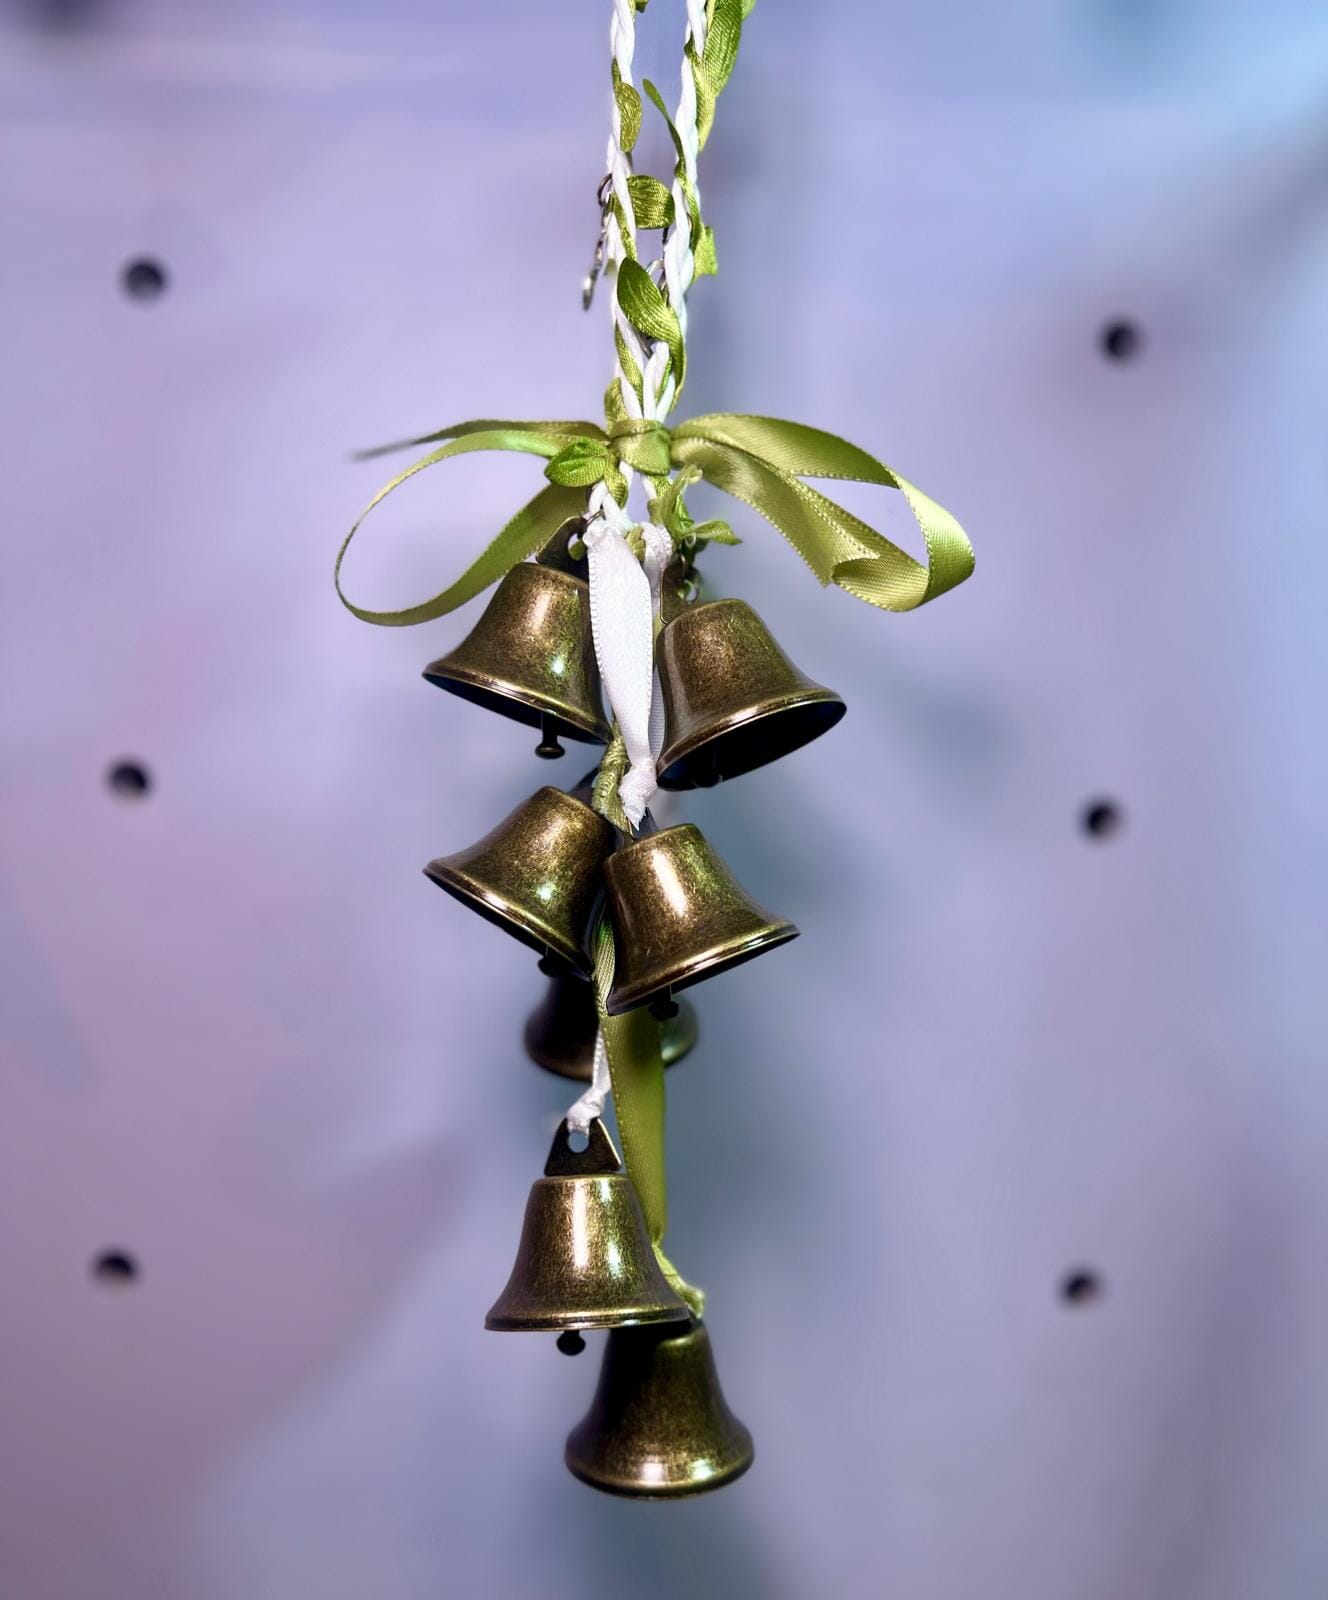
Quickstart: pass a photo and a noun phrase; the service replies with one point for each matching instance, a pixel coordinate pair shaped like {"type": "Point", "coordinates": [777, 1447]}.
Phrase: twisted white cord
{"type": "Point", "coordinates": [591, 1103]}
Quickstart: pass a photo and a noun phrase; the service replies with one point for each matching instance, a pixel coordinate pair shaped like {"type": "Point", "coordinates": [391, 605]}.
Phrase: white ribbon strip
{"type": "Point", "coordinates": [591, 1103]}
{"type": "Point", "coordinates": [624, 601]}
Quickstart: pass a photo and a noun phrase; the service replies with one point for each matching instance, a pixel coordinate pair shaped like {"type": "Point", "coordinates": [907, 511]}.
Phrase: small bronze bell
{"type": "Point", "coordinates": [560, 1031]}
{"type": "Point", "coordinates": [732, 699]}
{"type": "Point", "coordinates": [585, 1259]}
{"type": "Point", "coordinates": [538, 874]}
{"type": "Point", "coordinates": [658, 1426]}
{"type": "Point", "coordinates": [679, 916]}
{"type": "Point", "coordinates": [530, 656]}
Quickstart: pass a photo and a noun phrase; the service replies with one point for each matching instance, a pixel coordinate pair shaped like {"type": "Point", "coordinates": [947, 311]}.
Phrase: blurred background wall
{"type": "Point", "coordinates": [1008, 1179]}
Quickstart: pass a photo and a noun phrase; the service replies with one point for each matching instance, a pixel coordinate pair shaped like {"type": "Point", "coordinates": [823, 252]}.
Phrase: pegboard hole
{"type": "Point", "coordinates": [1081, 1287]}
{"type": "Point", "coordinates": [131, 780]}
{"type": "Point", "coordinates": [143, 278]}
{"type": "Point", "coordinates": [1100, 819]}
{"type": "Point", "coordinates": [117, 1269]}
{"type": "Point", "coordinates": [1121, 340]}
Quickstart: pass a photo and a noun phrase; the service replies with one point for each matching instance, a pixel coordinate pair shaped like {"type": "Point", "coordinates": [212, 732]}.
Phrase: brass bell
{"type": "Point", "coordinates": [585, 1259]}
{"type": "Point", "coordinates": [560, 1031]}
{"type": "Point", "coordinates": [537, 874]}
{"type": "Point", "coordinates": [659, 1426]}
{"type": "Point", "coordinates": [732, 699]}
{"type": "Point", "coordinates": [679, 916]}
{"type": "Point", "coordinates": [530, 656]}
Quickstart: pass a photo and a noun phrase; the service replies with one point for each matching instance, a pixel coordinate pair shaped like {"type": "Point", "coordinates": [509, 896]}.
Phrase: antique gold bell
{"type": "Point", "coordinates": [585, 1259]}
{"type": "Point", "coordinates": [538, 874]}
{"type": "Point", "coordinates": [530, 656]}
{"type": "Point", "coordinates": [560, 1031]}
{"type": "Point", "coordinates": [679, 916]}
{"type": "Point", "coordinates": [732, 699]}
{"type": "Point", "coordinates": [659, 1426]}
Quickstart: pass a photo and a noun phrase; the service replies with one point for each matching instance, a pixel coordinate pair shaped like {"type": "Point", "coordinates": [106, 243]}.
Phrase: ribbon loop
{"type": "Point", "coordinates": [761, 461]}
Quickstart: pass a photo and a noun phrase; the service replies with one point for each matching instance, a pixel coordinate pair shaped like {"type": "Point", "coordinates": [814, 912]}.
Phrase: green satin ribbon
{"type": "Point", "coordinates": [636, 1069]}
{"type": "Point", "coordinates": [759, 460]}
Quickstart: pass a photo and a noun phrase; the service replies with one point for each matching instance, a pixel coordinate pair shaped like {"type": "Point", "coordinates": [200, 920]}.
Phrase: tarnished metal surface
{"type": "Point", "coordinates": [732, 699]}
{"type": "Point", "coordinates": [537, 874]}
{"type": "Point", "coordinates": [560, 1032]}
{"type": "Point", "coordinates": [530, 655]}
{"type": "Point", "coordinates": [659, 1427]}
{"type": "Point", "coordinates": [679, 915]}
{"type": "Point", "coordinates": [585, 1259]}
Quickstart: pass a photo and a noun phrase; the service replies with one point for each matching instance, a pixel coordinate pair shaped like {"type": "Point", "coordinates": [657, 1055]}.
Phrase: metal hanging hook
{"type": "Point", "coordinates": [604, 194]}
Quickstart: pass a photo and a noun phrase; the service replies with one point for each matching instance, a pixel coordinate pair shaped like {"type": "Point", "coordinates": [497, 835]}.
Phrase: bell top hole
{"type": "Point", "coordinates": [1121, 340]}
{"type": "Point", "coordinates": [1081, 1287]}
{"type": "Point", "coordinates": [115, 1269]}
{"type": "Point", "coordinates": [578, 1140]}
{"type": "Point", "coordinates": [143, 278]}
{"type": "Point", "coordinates": [1101, 819]}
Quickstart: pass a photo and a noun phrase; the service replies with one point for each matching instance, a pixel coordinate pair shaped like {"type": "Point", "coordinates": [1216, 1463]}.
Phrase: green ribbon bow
{"type": "Point", "coordinates": [759, 460]}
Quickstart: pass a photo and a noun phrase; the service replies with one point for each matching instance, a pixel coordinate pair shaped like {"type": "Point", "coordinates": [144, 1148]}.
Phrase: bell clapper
{"type": "Point", "coordinates": [571, 1343]}
{"type": "Point", "coordinates": [548, 749]}
{"type": "Point", "coordinates": [664, 1008]}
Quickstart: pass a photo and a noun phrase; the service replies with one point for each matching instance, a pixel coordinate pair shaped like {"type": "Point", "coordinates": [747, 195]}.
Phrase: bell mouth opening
{"type": "Point", "coordinates": [723, 958]}
{"type": "Point", "coordinates": [665, 1488]}
{"type": "Point", "coordinates": [506, 704]}
{"type": "Point", "coordinates": [748, 742]}
{"type": "Point", "coordinates": [511, 919]}
{"type": "Point", "coordinates": [586, 1321]}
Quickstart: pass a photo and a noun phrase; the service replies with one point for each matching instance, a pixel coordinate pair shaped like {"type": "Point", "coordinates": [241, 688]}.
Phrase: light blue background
{"type": "Point", "coordinates": [242, 1036]}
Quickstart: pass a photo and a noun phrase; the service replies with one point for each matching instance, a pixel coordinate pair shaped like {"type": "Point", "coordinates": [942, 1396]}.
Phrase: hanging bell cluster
{"type": "Point", "coordinates": [733, 701]}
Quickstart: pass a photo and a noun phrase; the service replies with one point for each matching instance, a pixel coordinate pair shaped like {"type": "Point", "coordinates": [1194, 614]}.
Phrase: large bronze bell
{"type": "Point", "coordinates": [679, 916]}
{"type": "Point", "coordinates": [560, 1031]}
{"type": "Point", "coordinates": [585, 1259]}
{"type": "Point", "coordinates": [530, 656]}
{"type": "Point", "coordinates": [659, 1426]}
{"type": "Point", "coordinates": [732, 699]}
{"type": "Point", "coordinates": [538, 874]}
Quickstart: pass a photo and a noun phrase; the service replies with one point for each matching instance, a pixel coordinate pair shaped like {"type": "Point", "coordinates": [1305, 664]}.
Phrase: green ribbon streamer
{"type": "Point", "coordinates": [636, 1069]}
{"type": "Point", "coordinates": [761, 461]}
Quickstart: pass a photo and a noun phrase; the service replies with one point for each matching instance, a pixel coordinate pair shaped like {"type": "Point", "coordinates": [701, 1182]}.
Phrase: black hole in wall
{"type": "Point", "coordinates": [1121, 341]}
{"type": "Point", "coordinates": [1101, 818]}
{"type": "Point", "coordinates": [1081, 1287]}
{"type": "Point", "coordinates": [131, 780]}
{"type": "Point", "coordinates": [115, 1268]}
{"type": "Point", "coordinates": [143, 279]}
